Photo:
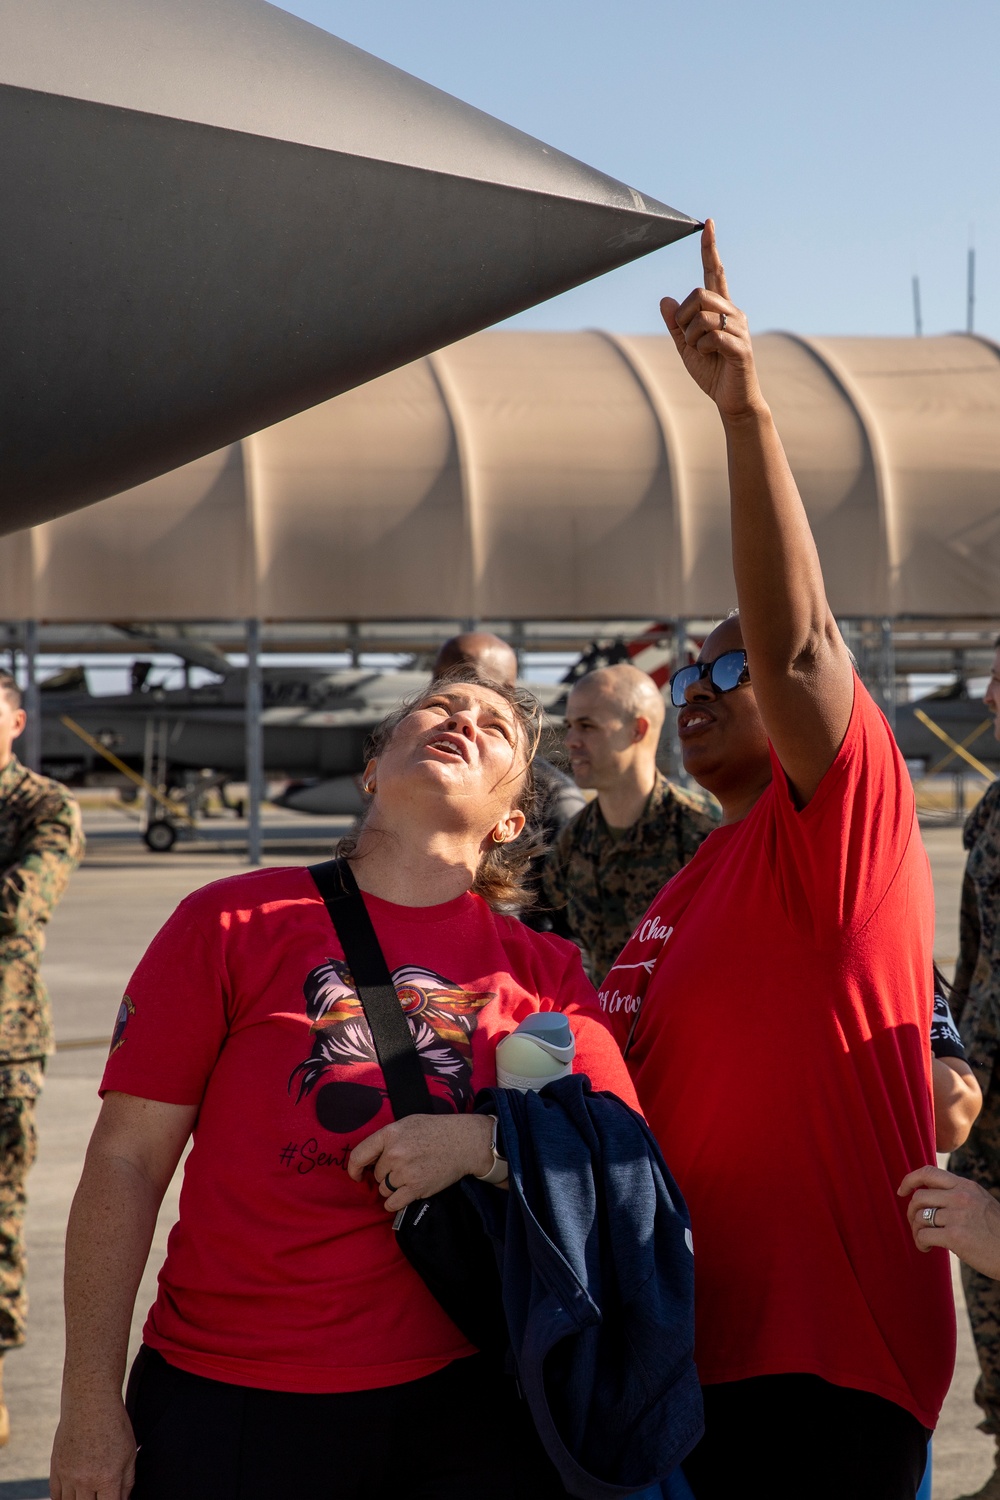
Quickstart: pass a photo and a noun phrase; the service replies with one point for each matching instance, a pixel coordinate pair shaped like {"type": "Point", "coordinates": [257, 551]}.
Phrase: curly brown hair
{"type": "Point", "coordinates": [500, 877]}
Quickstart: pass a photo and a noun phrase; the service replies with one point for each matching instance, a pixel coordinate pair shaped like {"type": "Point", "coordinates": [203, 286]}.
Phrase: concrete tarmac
{"type": "Point", "coordinates": [114, 905]}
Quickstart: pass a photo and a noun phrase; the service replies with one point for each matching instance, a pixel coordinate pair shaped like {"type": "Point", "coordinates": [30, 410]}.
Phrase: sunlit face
{"type": "Point", "coordinates": [12, 722]}
{"type": "Point", "coordinates": [600, 735]}
{"type": "Point", "coordinates": [463, 747]}
{"type": "Point", "coordinates": [992, 695]}
{"type": "Point", "coordinates": [722, 735]}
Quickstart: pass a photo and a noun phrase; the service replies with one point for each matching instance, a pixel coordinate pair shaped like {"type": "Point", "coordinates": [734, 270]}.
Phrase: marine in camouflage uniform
{"type": "Point", "coordinates": [41, 843]}
{"type": "Point", "coordinates": [976, 1005]}
{"type": "Point", "coordinates": [557, 800]}
{"type": "Point", "coordinates": [606, 879]}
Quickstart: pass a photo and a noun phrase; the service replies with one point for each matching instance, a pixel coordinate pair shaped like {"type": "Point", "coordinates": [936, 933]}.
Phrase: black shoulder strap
{"type": "Point", "coordinates": [394, 1045]}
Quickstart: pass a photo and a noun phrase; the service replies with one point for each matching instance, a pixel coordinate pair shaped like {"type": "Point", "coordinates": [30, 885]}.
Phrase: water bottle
{"type": "Point", "coordinates": [541, 1049]}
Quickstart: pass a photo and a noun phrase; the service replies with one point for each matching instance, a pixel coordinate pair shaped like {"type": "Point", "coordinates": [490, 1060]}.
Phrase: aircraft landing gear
{"type": "Point", "coordinates": [160, 835]}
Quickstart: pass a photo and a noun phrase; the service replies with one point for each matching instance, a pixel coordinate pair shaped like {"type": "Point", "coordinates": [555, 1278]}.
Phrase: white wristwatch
{"type": "Point", "coordinates": [498, 1172]}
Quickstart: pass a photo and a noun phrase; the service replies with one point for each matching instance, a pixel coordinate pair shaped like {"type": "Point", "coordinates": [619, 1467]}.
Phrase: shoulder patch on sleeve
{"type": "Point", "coordinates": [125, 1011]}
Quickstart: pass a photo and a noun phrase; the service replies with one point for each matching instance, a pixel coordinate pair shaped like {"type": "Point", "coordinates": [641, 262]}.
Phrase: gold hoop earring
{"type": "Point", "coordinates": [501, 839]}
{"type": "Point", "coordinates": [368, 787]}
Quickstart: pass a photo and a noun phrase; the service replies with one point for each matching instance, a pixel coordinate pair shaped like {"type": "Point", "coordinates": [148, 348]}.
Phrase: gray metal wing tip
{"type": "Point", "coordinates": [647, 205]}
{"type": "Point", "coordinates": [648, 225]}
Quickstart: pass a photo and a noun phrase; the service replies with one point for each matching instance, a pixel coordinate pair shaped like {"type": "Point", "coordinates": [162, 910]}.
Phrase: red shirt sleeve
{"type": "Point", "coordinates": [173, 1019]}
{"type": "Point", "coordinates": [834, 859]}
{"type": "Point", "coordinates": [598, 1054]}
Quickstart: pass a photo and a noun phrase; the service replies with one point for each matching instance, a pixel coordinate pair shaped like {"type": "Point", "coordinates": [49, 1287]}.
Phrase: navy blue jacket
{"type": "Point", "coordinates": [594, 1247]}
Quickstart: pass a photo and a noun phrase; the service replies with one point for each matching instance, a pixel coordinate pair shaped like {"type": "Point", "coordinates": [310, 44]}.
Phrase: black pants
{"type": "Point", "coordinates": [461, 1434]}
{"type": "Point", "coordinates": [795, 1436]}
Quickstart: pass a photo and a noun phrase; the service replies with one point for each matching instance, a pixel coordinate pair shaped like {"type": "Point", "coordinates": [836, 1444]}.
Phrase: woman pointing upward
{"type": "Point", "coordinates": [777, 1033]}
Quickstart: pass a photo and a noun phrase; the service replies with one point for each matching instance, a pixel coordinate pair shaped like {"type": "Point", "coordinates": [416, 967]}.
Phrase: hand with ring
{"type": "Point", "coordinates": [713, 338]}
{"type": "Point", "coordinates": [956, 1214]}
{"type": "Point", "coordinates": [422, 1155]}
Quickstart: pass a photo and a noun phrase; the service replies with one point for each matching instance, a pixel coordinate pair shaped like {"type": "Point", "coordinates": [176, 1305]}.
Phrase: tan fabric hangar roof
{"type": "Point", "coordinates": [546, 476]}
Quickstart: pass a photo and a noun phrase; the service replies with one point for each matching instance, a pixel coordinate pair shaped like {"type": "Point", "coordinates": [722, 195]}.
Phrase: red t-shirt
{"type": "Point", "coordinates": [778, 993]}
{"type": "Point", "coordinates": [282, 1272]}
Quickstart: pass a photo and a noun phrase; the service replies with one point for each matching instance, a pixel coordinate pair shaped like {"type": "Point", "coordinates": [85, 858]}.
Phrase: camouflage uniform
{"type": "Point", "coordinates": [976, 1005]}
{"type": "Point", "coordinates": [40, 844]}
{"type": "Point", "coordinates": [606, 883]}
{"type": "Point", "coordinates": [557, 800]}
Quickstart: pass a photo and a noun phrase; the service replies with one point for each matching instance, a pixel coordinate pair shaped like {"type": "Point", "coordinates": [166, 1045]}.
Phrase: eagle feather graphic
{"type": "Point", "coordinates": [441, 1016]}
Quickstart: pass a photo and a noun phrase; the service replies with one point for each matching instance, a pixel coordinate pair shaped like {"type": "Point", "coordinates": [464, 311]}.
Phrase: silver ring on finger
{"type": "Point", "coordinates": [724, 319]}
{"type": "Point", "coordinates": [387, 1180]}
{"type": "Point", "coordinates": [930, 1217]}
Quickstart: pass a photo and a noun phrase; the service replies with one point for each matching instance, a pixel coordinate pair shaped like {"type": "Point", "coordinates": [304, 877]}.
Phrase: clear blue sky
{"type": "Point", "coordinates": [841, 148]}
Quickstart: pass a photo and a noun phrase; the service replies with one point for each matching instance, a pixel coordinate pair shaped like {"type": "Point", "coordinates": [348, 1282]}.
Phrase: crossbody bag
{"type": "Point", "coordinates": [442, 1237]}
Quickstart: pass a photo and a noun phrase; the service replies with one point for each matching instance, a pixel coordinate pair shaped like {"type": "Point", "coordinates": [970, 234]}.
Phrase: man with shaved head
{"type": "Point", "coordinates": [556, 798]}
{"type": "Point", "coordinates": [478, 648]}
{"type": "Point", "coordinates": [608, 864]}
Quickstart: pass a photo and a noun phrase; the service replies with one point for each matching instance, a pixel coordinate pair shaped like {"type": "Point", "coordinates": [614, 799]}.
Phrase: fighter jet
{"type": "Point", "coordinates": [190, 739]}
{"type": "Point", "coordinates": [315, 724]}
{"type": "Point", "coordinates": [216, 215]}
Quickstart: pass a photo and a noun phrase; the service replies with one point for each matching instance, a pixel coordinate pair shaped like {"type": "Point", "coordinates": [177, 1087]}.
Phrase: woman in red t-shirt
{"type": "Point", "coordinates": [292, 1350]}
{"type": "Point", "coordinates": [775, 1004]}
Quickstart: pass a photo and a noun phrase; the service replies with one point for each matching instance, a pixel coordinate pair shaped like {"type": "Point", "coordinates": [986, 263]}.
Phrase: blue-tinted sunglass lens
{"type": "Point", "coordinates": [727, 670]}
{"type": "Point", "coordinates": [680, 682]}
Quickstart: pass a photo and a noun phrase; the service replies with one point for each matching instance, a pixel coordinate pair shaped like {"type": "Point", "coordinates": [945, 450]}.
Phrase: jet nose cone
{"type": "Point", "coordinates": [218, 215]}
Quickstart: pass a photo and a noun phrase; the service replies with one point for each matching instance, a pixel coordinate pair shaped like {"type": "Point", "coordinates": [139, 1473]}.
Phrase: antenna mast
{"type": "Point", "coordinates": [918, 322]}
{"type": "Point", "coordinates": [971, 292]}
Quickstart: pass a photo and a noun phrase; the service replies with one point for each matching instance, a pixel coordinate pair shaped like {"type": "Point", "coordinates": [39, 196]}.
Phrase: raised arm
{"type": "Point", "coordinates": [132, 1154]}
{"type": "Point", "coordinates": [799, 667]}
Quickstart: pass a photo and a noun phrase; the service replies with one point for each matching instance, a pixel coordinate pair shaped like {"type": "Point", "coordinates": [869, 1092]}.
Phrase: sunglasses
{"type": "Point", "coordinates": [726, 672]}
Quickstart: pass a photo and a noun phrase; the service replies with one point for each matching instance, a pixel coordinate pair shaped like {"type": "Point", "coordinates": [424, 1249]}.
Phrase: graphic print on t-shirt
{"type": "Point", "coordinates": [442, 1018]}
{"type": "Point", "coordinates": [622, 1005]}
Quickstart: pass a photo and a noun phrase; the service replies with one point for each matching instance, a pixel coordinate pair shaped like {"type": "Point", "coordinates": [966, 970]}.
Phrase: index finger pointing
{"type": "Point", "coordinates": [715, 275]}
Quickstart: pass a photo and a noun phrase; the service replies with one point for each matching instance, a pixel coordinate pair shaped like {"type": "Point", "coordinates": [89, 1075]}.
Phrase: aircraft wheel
{"type": "Point", "coordinates": [161, 835]}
